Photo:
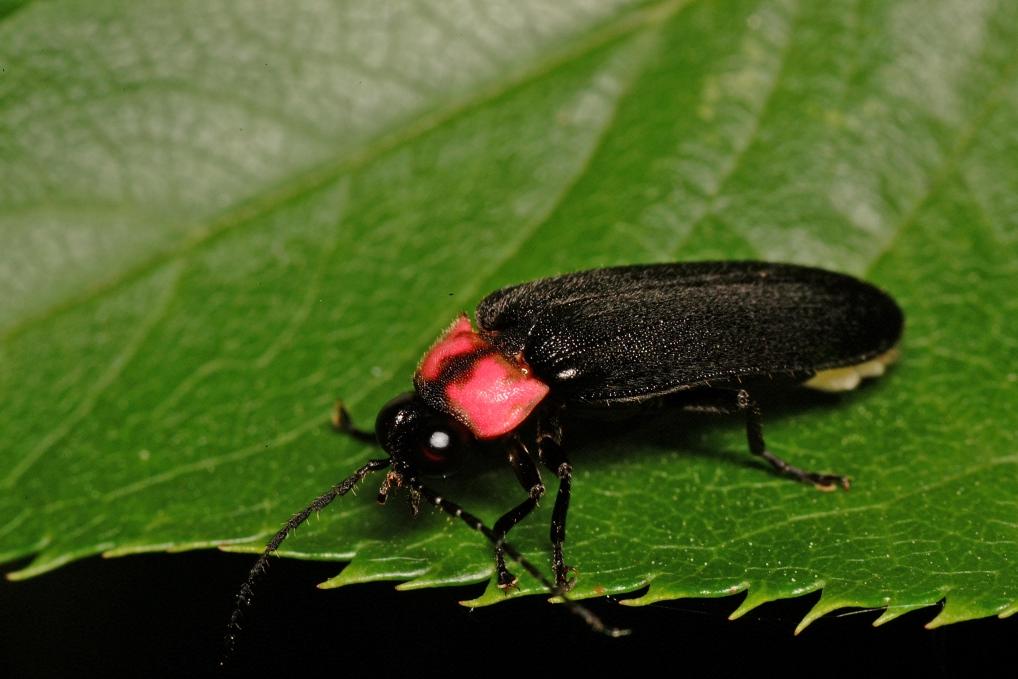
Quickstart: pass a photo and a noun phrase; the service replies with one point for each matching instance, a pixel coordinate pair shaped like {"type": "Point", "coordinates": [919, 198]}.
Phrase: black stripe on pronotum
{"type": "Point", "coordinates": [701, 336]}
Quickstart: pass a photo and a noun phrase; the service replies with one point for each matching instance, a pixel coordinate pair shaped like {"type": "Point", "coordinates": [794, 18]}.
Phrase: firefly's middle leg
{"type": "Point", "coordinates": [549, 448]}
{"type": "Point", "coordinates": [530, 478]}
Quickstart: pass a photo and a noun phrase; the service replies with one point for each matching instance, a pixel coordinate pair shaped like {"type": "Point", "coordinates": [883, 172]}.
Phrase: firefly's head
{"type": "Point", "coordinates": [420, 440]}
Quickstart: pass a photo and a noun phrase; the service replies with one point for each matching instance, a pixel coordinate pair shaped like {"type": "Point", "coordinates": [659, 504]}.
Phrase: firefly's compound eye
{"type": "Point", "coordinates": [442, 448]}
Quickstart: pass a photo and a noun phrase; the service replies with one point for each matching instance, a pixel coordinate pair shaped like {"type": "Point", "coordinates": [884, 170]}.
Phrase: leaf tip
{"type": "Point", "coordinates": [754, 598]}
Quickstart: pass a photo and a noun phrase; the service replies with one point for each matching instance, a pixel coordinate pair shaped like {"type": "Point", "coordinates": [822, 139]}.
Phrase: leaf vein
{"type": "Point", "coordinates": [735, 160]}
{"type": "Point", "coordinates": [112, 372]}
{"type": "Point", "coordinates": [962, 144]}
{"type": "Point", "coordinates": [247, 210]}
{"type": "Point", "coordinates": [883, 504]}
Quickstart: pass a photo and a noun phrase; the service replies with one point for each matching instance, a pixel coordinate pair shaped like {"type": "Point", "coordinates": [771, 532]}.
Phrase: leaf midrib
{"type": "Point", "coordinates": [616, 30]}
{"type": "Point", "coordinates": [248, 210]}
{"type": "Point", "coordinates": [527, 233]}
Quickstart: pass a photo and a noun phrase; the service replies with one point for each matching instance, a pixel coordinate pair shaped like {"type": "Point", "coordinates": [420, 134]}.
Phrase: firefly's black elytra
{"type": "Point", "coordinates": [703, 335]}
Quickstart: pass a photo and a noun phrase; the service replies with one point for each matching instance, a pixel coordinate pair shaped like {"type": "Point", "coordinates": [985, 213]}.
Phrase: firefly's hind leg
{"type": "Point", "coordinates": [341, 423]}
{"type": "Point", "coordinates": [530, 478]}
{"type": "Point", "coordinates": [724, 401]}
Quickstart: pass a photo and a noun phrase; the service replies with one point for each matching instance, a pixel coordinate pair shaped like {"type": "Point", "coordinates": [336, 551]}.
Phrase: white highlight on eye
{"type": "Point", "coordinates": [438, 440]}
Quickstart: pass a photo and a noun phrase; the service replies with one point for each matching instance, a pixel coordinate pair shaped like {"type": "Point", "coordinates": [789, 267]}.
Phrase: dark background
{"type": "Point", "coordinates": [164, 615]}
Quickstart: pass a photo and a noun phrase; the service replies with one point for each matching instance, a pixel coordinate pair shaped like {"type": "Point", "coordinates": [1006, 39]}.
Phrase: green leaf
{"type": "Point", "coordinates": [216, 221]}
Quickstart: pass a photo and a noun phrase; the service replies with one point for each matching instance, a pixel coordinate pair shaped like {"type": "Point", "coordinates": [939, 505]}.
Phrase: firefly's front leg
{"type": "Point", "coordinates": [341, 423]}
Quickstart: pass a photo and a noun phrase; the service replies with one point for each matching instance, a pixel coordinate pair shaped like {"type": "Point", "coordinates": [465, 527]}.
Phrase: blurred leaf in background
{"type": "Point", "coordinates": [218, 218]}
